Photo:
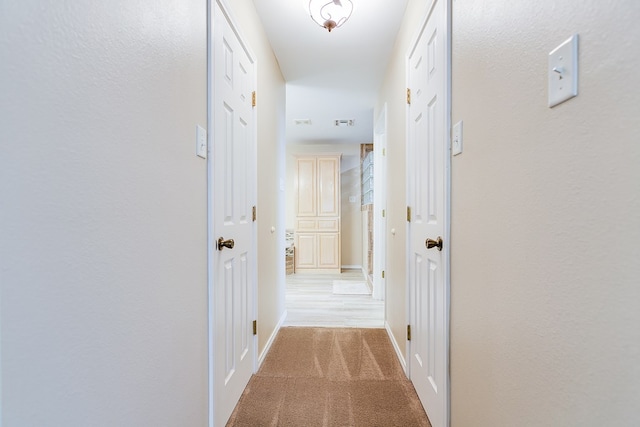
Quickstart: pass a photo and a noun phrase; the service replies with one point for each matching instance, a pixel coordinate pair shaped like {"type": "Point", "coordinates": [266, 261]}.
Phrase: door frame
{"type": "Point", "coordinates": [446, 251]}
{"type": "Point", "coordinates": [211, 238]}
{"type": "Point", "coordinates": [379, 203]}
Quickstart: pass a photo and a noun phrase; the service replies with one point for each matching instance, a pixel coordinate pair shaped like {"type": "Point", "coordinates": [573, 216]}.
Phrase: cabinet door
{"type": "Point", "coordinates": [306, 250]}
{"type": "Point", "coordinates": [328, 250]}
{"type": "Point", "coordinates": [328, 186]}
{"type": "Point", "coordinates": [306, 185]}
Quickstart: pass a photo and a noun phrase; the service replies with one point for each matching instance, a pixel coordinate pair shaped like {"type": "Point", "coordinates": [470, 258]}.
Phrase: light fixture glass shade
{"type": "Point", "coordinates": [330, 14]}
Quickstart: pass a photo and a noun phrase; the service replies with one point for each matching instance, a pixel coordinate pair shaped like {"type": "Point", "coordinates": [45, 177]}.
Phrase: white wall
{"type": "Point", "coordinates": [103, 213]}
{"type": "Point", "coordinates": [546, 208]}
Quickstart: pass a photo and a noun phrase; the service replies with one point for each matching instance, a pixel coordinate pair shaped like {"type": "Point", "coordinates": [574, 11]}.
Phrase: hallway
{"type": "Point", "coordinates": [105, 253]}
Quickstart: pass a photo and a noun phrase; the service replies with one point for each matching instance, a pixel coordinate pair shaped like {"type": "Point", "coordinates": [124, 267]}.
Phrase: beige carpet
{"type": "Point", "coordinates": [330, 377]}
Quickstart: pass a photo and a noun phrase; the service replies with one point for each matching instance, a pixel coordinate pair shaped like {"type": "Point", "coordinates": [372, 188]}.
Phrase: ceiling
{"type": "Point", "coordinates": [331, 76]}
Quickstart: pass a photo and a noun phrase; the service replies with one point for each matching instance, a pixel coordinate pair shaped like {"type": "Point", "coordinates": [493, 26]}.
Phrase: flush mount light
{"type": "Point", "coordinates": [330, 14]}
{"type": "Point", "coordinates": [302, 121]}
{"type": "Point", "coordinates": [344, 122]}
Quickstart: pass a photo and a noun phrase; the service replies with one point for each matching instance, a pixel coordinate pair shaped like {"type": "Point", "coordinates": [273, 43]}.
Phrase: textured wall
{"type": "Point", "coordinates": [546, 204]}
{"type": "Point", "coordinates": [103, 258]}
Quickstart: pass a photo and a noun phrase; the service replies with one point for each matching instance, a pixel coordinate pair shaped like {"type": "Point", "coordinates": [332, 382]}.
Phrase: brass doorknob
{"type": "Point", "coordinates": [225, 243]}
{"type": "Point", "coordinates": [434, 243]}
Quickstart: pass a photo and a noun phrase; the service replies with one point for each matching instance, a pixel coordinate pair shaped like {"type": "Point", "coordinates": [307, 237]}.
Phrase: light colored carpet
{"type": "Point", "coordinates": [348, 287]}
{"type": "Point", "coordinates": [330, 377]}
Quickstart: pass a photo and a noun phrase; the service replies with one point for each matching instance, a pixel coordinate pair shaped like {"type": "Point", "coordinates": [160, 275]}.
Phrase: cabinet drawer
{"type": "Point", "coordinates": [318, 224]}
{"type": "Point", "coordinates": [328, 224]}
{"type": "Point", "coordinates": [307, 225]}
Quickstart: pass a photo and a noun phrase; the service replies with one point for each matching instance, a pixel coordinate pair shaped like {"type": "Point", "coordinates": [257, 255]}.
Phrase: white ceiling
{"type": "Point", "coordinates": [333, 75]}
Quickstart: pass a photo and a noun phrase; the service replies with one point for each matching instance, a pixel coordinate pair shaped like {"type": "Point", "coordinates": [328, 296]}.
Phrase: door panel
{"type": "Point", "coordinates": [306, 187]}
{"type": "Point", "coordinates": [328, 202]}
{"type": "Point", "coordinates": [328, 250]}
{"type": "Point", "coordinates": [306, 250]}
{"type": "Point", "coordinates": [232, 195]}
{"type": "Point", "coordinates": [426, 190]}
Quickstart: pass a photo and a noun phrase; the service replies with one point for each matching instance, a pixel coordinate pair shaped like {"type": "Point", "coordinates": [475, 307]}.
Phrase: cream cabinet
{"type": "Point", "coordinates": [317, 227]}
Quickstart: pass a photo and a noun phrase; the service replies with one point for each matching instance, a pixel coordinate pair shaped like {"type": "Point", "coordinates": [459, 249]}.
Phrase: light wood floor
{"type": "Point", "coordinates": [310, 302]}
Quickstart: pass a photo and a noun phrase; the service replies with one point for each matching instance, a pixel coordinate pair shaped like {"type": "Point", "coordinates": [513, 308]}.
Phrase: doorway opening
{"type": "Point", "coordinates": [349, 295]}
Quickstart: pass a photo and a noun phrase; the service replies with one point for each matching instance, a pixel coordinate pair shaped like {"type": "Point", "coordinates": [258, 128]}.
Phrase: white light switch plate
{"type": "Point", "coordinates": [201, 142]}
{"type": "Point", "coordinates": [456, 138]}
{"type": "Point", "coordinates": [563, 71]}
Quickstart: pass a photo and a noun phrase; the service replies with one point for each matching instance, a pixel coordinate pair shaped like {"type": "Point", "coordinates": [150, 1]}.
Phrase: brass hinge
{"type": "Point", "coordinates": [255, 327]}
{"type": "Point", "coordinates": [408, 96]}
{"type": "Point", "coordinates": [408, 332]}
{"type": "Point", "coordinates": [408, 213]}
{"type": "Point", "coordinates": [384, 151]}
{"type": "Point", "coordinates": [255, 214]}
{"type": "Point", "coordinates": [253, 98]}
{"type": "Point", "coordinates": [383, 274]}
{"type": "Point", "coordinates": [384, 213]}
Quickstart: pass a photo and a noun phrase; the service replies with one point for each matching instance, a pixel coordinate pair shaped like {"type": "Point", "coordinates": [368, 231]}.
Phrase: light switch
{"type": "Point", "coordinates": [456, 138]}
{"type": "Point", "coordinates": [563, 71]}
{"type": "Point", "coordinates": [201, 142]}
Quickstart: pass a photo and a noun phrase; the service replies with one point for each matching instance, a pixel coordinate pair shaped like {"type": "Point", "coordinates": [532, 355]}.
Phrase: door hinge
{"type": "Point", "coordinates": [384, 151]}
{"type": "Point", "coordinates": [255, 327]}
{"type": "Point", "coordinates": [383, 274]}
{"type": "Point", "coordinates": [253, 98]}
{"type": "Point", "coordinates": [408, 332]}
{"type": "Point", "coordinates": [255, 214]}
{"type": "Point", "coordinates": [384, 213]}
{"type": "Point", "coordinates": [408, 96]}
{"type": "Point", "coordinates": [408, 213]}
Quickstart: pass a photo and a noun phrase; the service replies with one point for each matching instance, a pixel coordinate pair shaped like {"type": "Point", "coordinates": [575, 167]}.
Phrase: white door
{"type": "Point", "coordinates": [380, 205]}
{"type": "Point", "coordinates": [232, 197]}
{"type": "Point", "coordinates": [427, 186]}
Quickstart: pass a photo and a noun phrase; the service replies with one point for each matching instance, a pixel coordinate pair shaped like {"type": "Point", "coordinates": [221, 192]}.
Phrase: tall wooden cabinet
{"type": "Point", "coordinates": [317, 227]}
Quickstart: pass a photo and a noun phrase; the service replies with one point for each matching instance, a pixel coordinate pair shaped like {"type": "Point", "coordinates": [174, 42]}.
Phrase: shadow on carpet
{"type": "Point", "coordinates": [330, 377]}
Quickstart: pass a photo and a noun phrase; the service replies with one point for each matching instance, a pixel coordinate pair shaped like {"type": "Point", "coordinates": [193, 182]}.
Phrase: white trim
{"type": "Point", "coordinates": [396, 347]}
{"type": "Point", "coordinates": [210, 238]}
{"type": "Point", "coordinates": [226, 10]}
{"type": "Point", "coordinates": [379, 203]}
{"type": "Point", "coordinates": [352, 267]}
{"type": "Point", "coordinates": [446, 253]}
{"type": "Point", "coordinates": [407, 266]}
{"type": "Point", "coordinates": [448, 99]}
{"type": "Point", "coordinates": [272, 338]}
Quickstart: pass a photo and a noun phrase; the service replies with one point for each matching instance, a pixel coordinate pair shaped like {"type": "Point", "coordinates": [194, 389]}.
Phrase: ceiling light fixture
{"type": "Point", "coordinates": [330, 14]}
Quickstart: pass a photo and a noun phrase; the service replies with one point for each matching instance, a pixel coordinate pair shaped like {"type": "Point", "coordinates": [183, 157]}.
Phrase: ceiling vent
{"type": "Point", "coordinates": [344, 122]}
{"type": "Point", "coordinates": [302, 121]}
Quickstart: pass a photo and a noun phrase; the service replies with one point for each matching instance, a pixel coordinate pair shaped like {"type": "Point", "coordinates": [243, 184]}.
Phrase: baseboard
{"type": "Point", "coordinates": [396, 347]}
{"type": "Point", "coordinates": [271, 339]}
{"type": "Point", "coordinates": [352, 267]}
